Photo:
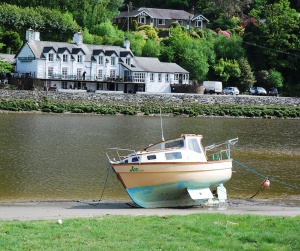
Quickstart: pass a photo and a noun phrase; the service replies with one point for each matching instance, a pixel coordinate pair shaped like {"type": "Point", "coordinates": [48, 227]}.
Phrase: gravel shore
{"type": "Point", "coordinates": [25, 211]}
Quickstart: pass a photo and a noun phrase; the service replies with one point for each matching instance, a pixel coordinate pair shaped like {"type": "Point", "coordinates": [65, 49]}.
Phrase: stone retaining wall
{"type": "Point", "coordinates": [153, 97]}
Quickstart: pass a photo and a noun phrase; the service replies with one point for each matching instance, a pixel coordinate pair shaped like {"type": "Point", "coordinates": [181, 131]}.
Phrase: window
{"type": "Point", "coordinates": [79, 70]}
{"type": "Point", "coordinates": [100, 74]}
{"type": "Point", "coordinates": [64, 85]}
{"type": "Point", "coordinates": [161, 21]}
{"type": "Point", "coordinates": [65, 58]}
{"type": "Point", "coordinates": [139, 77]}
{"type": "Point", "coordinates": [151, 157]}
{"type": "Point", "coordinates": [100, 60]}
{"type": "Point", "coordinates": [112, 73]}
{"type": "Point", "coordinates": [159, 77]}
{"type": "Point", "coordinates": [142, 20]}
{"type": "Point", "coordinates": [113, 60]}
{"type": "Point", "coordinates": [176, 76]}
{"type": "Point", "coordinates": [193, 145]}
{"type": "Point", "coordinates": [167, 77]}
{"type": "Point", "coordinates": [64, 72]}
{"type": "Point", "coordinates": [180, 22]}
{"type": "Point", "coordinates": [50, 57]}
{"type": "Point", "coordinates": [135, 159]}
{"type": "Point", "coordinates": [151, 77]}
{"type": "Point", "coordinates": [79, 58]}
{"type": "Point", "coordinates": [198, 23]}
{"type": "Point", "coordinates": [174, 155]}
{"type": "Point", "coordinates": [174, 144]}
{"type": "Point", "coordinates": [128, 61]}
{"type": "Point", "coordinates": [50, 72]}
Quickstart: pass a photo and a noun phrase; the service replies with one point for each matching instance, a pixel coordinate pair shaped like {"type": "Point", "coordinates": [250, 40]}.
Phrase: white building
{"type": "Point", "coordinates": [99, 68]}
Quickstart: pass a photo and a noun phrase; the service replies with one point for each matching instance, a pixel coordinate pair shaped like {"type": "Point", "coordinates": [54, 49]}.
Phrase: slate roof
{"type": "Point", "coordinates": [160, 14]}
{"type": "Point", "coordinates": [40, 47]}
{"type": "Point", "coordinates": [10, 58]}
{"type": "Point", "coordinates": [148, 64]}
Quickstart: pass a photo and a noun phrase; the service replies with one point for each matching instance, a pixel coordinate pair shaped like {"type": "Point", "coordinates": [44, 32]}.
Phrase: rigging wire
{"type": "Point", "coordinates": [265, 177]}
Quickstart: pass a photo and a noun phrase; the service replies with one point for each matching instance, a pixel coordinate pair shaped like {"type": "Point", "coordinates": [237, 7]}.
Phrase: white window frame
{"type": "Point", "coordinates": [167, 77]}
{"type": "Point", "coordinates": [100, 60]}
{"type": "Point", "coordinates": [142, 20]}
{"type": "Point", "coordinates": [176, 76]}
{"type": "Point", "coordinates": [112, 73]}
{"type": "Point", "coordinates": [50, 57]}
{"type": "Point", "coordinates": [139, 77]}
{"type": "Point", "coordinates": [64, 72]}
{"type": "Point", "coordinates": [65, 58]}
{"type": "Point", "coordinates": [197, 23]}
{"type": "Point", "coordinates": [161, 22]}
{"type": "Point", "coordinates": [152, 77]}
{"type": "Point", "coordinates": [79, 73]}
{"type": "Point", "coordinates": [79, 58]}
{"type": "Point", "coordinates": [113, 61]}
{"type": "Point", "coordinates": [159, 77]}
{"type": "Point", "coordinates": [128, 61]}
{"type": "Point", "coordinates": [100, 74]}
{"type": "Point", "coordinates": [50, 72]}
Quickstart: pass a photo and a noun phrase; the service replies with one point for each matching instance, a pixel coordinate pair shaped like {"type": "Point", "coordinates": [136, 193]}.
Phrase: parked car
{"type": "Point", "coordinates": [231, 90]}
{"type": "Point", "coordinates": [273, 92]}
{"type": "Point", "coordinates": [258, 91]}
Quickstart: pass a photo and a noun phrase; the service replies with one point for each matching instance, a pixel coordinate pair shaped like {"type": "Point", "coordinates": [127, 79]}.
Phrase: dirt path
{"type": "Point", "coordinates": [87, 209]}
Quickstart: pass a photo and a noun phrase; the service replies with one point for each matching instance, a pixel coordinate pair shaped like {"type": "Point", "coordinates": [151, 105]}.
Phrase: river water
{"type": "Point", "coordinates": [46, 157]}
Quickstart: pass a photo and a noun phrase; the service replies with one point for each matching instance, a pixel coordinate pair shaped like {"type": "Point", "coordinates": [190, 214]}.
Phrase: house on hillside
{"type": "Point", "coordinates": [159, 18]}
{"type": "Point", "coordinates": [98, 68]}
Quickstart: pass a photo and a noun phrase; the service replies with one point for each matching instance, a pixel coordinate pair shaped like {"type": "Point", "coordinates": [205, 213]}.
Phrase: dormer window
{"type": "Point", "coordinates": [128, 61]}
{"type": "Point", "coordinates": [113, 61]}
{"type": "Point", "coordinates": [50, 57]}
{"type": "Point", "coordinates": [65, 58]}
{"type": "Point", "coordinates": [100, 60]}
{"type": "Point", "coordinates": [79, 58]}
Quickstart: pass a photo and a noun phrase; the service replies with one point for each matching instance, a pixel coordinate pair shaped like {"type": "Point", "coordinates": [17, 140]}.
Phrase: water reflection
{"type": "Point", "coordinates": [62, 157]}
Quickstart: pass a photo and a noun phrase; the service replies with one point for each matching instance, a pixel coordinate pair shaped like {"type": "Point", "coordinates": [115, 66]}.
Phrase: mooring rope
{"type": "Point", "coordinates": [265, 177]}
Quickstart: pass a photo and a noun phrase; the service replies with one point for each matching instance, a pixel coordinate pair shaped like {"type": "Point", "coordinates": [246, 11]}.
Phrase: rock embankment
{"type": "Point", "coordinates": [155, 97]}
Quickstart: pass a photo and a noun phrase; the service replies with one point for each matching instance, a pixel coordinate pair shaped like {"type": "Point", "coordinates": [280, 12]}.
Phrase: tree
{"type": "Point", "coordinates": [275, 79]}
{"type": "Point", "coordinates": [225, 69]}
{"type": "Point", "coordinates": [247, 78]}
{"type": "Point", "coordinates": [12, 42]}
{"type": "Point", "coordinates": [151, 49]}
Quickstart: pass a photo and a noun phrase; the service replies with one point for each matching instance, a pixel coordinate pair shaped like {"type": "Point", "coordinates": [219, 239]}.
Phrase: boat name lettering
{"type": "Point", "coordinates": [135, 169]}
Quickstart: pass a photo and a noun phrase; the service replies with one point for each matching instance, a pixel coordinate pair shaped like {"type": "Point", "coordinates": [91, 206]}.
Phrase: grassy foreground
{"type": "Point", "coordinates": [191, 232]}
{"type": "Point", "coordinates": [46, 104]}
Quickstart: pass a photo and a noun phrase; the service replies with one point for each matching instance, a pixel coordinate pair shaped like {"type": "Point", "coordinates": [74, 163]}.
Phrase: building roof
{"type": "Point", "coordinates": [40, 47]}
{"type": "Point", "coordinates": [149, 64]}
{"type": "Point", "coordinates": [10, 58]}
{"type": "Point", "coordinates": [161, 14]}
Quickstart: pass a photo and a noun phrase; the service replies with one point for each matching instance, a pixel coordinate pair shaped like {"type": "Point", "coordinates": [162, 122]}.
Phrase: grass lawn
{"type": "Point", "coordinates": [191, 232]}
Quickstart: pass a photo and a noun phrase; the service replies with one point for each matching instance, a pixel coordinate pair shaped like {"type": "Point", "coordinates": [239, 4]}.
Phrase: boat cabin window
{"type": "Point", "coordinates": [151, 157]}
{"type": "Point", "coordinates": [174, 144]}
{"type": "Point", "coordinates": [193, 145]}
{"type": "Point", "coordinates": [174, 155]}
{"type": "Point", "coordinates": [135, 159]}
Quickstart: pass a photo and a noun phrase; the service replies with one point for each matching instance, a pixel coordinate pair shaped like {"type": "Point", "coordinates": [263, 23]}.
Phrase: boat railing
{"type": "Point", "coordinates": [220, 152]}
{"type": "Point", "coordinates": [120, 154]}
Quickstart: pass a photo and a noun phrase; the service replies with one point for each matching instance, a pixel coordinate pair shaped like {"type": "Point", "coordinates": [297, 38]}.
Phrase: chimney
{"type": "Point", "coordinates": [30, 35]}
{"type": "Point", "coordinates": [193, 10]}
{"type": "Point", "coordinates": [36, 36]}
{"type": "Point", "coordinates": [78, 38]}
{"type": "Point", "coordinates": [130, 7]}
{"type": "Point", "coordinates": [126, 44]}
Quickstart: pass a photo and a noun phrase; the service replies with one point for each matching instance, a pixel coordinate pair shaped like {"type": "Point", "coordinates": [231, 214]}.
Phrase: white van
{"type": "Point", "coordinates": [213, 87]}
